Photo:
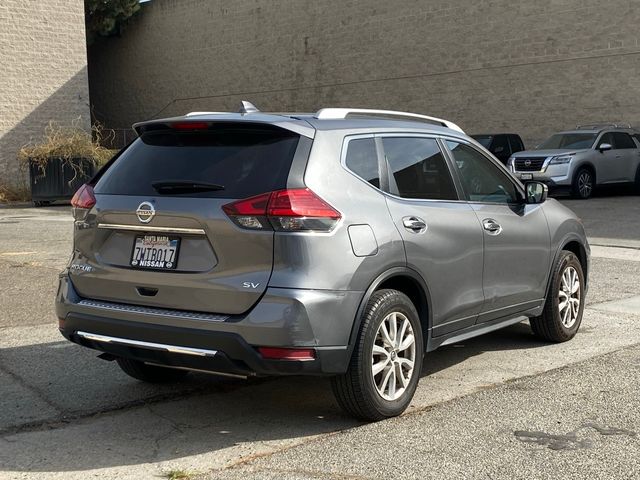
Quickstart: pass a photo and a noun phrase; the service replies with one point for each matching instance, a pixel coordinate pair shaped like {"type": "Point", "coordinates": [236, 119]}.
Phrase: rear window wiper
{"type": "Point", "coordinates": [185, 186]}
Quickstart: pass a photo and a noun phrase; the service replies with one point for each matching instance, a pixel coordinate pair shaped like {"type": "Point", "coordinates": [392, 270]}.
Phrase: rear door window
{"type": "Point", "coordinates": [362, 160]}
{"type": "Point", "coordinates": [244, 160]}
{"type": "Point", "coordinates": [418, 169]}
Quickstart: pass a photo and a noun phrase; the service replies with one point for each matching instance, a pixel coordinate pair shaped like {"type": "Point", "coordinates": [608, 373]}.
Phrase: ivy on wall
{"type": "Point", "coordinates": [106, 18]}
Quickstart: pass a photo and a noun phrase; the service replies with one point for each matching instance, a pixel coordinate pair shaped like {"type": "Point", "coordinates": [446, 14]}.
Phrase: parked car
{"type": "Point", "coordinates": [344, 243]}
{"type": "Point", "coordinates": [502, 145]}
{"type": "Point", "coordinates": [582, 159]}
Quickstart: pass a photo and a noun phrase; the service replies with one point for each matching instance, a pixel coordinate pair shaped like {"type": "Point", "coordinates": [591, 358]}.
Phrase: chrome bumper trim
{"type": "Point", "coordinates": [199, 352]}
{"type": "Point", "coordinates": [153, 311]}
{"type": "Point", "coordinates": [145, 228]}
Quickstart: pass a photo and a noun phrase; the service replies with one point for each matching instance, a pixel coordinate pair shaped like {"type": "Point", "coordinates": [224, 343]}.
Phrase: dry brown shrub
{"type": "Point", "coordinates": [12, 193]}
{"type": "Point", "coordinates": [68, 142]}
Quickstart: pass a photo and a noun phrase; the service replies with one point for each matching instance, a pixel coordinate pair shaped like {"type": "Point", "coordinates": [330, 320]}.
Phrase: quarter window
{"type": "Point", "coordinates": [362, 160]}
{"type": "Point", "coordinates": [482, 180]}
{"type": "Point", "coordinates": [418, 169]}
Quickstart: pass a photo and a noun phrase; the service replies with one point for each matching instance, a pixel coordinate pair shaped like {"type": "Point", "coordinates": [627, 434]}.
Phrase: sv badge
{"type": "Point", "coordinates": [250, 285]}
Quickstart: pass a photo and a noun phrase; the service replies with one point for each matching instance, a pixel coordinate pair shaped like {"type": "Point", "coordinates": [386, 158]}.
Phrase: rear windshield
{"type": "Point", "coordinates": [245, 161]}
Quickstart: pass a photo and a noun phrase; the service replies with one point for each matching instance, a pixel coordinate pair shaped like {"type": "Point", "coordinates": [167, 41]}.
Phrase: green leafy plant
{"type": "Point", "coordinates": [105, 18]}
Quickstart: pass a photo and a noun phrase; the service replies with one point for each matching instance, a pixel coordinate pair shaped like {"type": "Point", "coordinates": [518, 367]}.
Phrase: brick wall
{"type": "Point", "coordinates": [43, 74]}
{"type": "Point", "coordinates": [532, 67]}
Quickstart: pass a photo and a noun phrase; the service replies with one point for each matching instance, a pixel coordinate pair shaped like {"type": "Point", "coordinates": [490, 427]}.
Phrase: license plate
{"type": "Point", "coordinates": [157, 252]}
{"type": "Point", "coordinates": [526, 176]}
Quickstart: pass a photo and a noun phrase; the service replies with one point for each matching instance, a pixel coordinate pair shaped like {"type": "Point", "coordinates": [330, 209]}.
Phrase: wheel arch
{"type": "Point", "coordinates": [410, 283]}
{"type": "Point", "coordinates": [571, 243]}
{"type": "Point", "coordinates": [589, 166]}
{"type": "Point", "coordinates": [578, 249]}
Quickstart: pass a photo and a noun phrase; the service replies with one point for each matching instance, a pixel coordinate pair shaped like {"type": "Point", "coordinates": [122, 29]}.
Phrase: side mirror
{"type": "Point", "coordinates": [536, 192]}
{"type": "Point", "coordinates": [498, 150]}
{"type": "Point", "coordinates": [605, 147]}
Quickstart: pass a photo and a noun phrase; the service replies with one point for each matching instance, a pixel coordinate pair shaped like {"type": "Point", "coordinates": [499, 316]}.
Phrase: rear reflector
{"type": "Point", "coordinates": [272, 353]}
{"type": "Point", "coordinates": [290, 210]}
{"type": "Point", "coordinates": [84, 197]}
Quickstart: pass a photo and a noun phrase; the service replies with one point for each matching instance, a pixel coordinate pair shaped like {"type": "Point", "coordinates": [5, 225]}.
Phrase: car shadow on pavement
{"type": "Point", "coordinates": [100, 418]}
{"type": "Point", "coordinates": [65, 410]}
{"type": "Point", "coordinates": [515, 337]}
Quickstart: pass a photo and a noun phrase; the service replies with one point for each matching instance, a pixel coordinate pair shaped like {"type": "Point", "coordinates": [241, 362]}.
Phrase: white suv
{"type": "Point", "coordinates": [582, 159]}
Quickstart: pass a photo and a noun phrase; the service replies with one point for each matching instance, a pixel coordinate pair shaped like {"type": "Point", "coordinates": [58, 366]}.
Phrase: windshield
{"type": "Point", "coordinates": [484, 140]}
{"type": "Point", "coordinates": [568, 141]}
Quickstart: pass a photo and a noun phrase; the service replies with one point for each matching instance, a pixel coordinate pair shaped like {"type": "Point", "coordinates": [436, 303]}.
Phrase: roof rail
{"type": "Point", "coordinates": [603, 125]}
{"type": "Point", "coordinates": [342, 113]}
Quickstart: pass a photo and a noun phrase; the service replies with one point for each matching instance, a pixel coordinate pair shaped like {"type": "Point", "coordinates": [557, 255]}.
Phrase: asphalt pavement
{"type": "Point", "coordinates": [499, 406]}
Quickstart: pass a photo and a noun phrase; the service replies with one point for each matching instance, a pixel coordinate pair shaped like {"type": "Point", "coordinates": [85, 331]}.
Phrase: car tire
{"type": "Point", "coordinates": [150, 373]}
{"type": "Point", "coordinates": [583, 184]}
{"type": "Point", "coordinates": [398, 359]}
{"type": "Point", "coordinates": [558, 323]}
{"type": "Point", "coordinates": [637, 182]}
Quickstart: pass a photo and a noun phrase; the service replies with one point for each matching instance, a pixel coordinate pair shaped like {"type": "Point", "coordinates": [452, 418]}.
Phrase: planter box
{"type": "Point", "coordinates": [56, 181]}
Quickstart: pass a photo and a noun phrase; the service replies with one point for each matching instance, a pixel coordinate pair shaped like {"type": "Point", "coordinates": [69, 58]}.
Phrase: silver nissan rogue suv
{"type": "Point", "coordinates": [344, 243]}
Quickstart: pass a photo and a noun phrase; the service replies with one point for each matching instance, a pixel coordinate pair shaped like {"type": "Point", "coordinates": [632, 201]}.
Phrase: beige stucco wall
{"type": "Point", "coordinates": [43, 73]}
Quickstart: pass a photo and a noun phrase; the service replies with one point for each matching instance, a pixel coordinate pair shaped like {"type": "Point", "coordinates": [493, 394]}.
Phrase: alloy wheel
{"type": "Point", "coordinates": [569, 297]}
{"type": "Point", "coordinates": [394, 355]}
{"type": "Point", "coordinates": [585, 184]}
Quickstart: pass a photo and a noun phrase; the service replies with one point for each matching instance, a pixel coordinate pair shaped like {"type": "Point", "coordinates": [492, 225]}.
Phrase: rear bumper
{"type": "Point", "coordinates": [321, 320]}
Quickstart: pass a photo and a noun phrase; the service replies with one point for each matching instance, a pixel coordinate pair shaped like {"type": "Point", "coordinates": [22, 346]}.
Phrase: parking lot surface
{"type": "Point", "coordinates": [499, 406]}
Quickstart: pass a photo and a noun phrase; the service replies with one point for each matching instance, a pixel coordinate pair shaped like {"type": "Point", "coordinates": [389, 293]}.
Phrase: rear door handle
{"type": "Point", "coordinates": [414, 224]}
{"type": "Point", "coordinates": [491, 226]}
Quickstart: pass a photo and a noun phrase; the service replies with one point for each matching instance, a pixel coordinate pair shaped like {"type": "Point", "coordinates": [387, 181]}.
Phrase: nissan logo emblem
{"type": "Point", "coordinates": [527, 163]}
{"type": "Point", "coordinates": [145, 212]}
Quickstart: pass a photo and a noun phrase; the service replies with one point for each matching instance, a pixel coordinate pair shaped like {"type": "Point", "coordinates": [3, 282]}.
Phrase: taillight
{"type": "Point", "coordinates": [273, 353]}
{"type": "Point", "coordinates": [84, 197]}
{"type": "Point", "coordinates": [291, 210]}
{"type": "Point", "coordinates": [300, 209]}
